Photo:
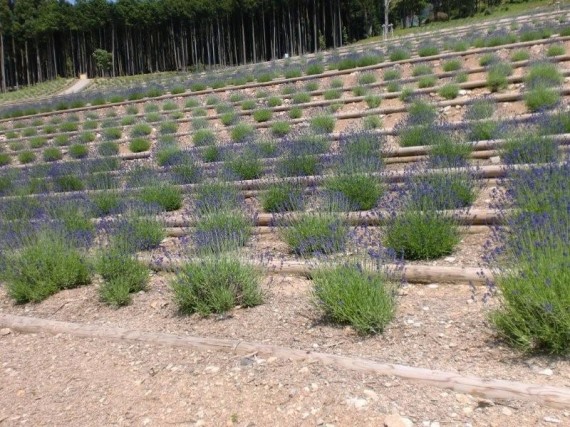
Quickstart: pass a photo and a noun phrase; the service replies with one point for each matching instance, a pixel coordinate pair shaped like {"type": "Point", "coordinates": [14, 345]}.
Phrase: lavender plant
{"type": "Point", "coordinates": [215, 285]}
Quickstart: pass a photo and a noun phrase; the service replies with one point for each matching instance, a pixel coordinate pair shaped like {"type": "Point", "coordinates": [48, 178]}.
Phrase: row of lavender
{"type": "Point", "coordinates": [493, 38]}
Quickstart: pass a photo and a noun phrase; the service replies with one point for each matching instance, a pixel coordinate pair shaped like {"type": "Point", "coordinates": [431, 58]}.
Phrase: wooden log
{"type": "Point", "coordinates": [557, 397]}
{"type": "Point", "coordinates": [408, 273]}
{"type": "Point", "coordinates": [265, 230]}
{"type": "Point", "coordinates": [371, 218]}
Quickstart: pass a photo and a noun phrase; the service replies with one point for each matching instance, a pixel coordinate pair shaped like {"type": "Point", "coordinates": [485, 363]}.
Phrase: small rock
{"type": "Point", "coordinates": [271, 359]}
{"type": "Point", "coordinates": [200, 423]}
{"type": "Point", "coordinates": [5, 331]}
{"type": "Point", "coordinates": [507, 412]}
{"type": "Point", "coordinates": [552, 420]}
{"type": "Point", "coordinates": [450, 259]}
{"type": "Point", "coordinates": [462, 398]}
{"type": "Point", "coordinates": [467, 411]}
{"type": "Point", "coordinates": [485, 403]}
{"type": "Point", "coordinates": [548, 372]}
{"type": "Point", "coordinates": [356, 402]}
{"type": "Point", "coordinates": [396, 420]}
{"type": "Point", "coordinates": [433, 286]}
{"type": "Point", "coordinates": [304, 370]}
{"type": "Point", "coordinates": [371, 394]}
{"type": "Point", "coordinates": [434, 424]}
{"type": "Point", "coordinates": [495, 160]}
{"type": "Point", "coordinates": [463, 92]}
{"type": "Point", "coordinates": [212, 369]}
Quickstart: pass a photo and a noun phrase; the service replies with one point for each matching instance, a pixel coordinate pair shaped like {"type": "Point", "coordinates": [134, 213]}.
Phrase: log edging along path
{"type": "Point", "coordinates": [407, 273]}
{"type": "Point", "coordinates": [557, 397]}
{"type": "Point", "coordinates": [279, 81]}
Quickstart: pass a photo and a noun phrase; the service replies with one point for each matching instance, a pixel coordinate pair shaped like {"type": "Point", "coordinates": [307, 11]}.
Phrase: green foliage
{"type": "Point", "coordinates": [301, 98]}
{"type": "Point", "coordinates": [292, 73]}
{"type": "Point", "coordinates": [360, 191]}
{"type": "Point", "coordinates": [542, 98]}
{"type": "Point", "coordinates": [428, 50]}
{"type": "Point", "coordinates": [248, 104]}
{"type": "Point", "coordinates": [230, 118]}
{"type": "Point", "coordinates": [167, 196]}
{"type": "Point", "coordinates": [372, 122]}
{"type": "Point", "coordinates": [108, 148]}
{"type": "Point", "coordinates": [242, 132]}
{"type": "Point", "coordinates": [314, 69]}
{"type": "Point", "coordinates": [37, 142]}
{"type": "Point", "coordinates": [393, 87]}
{"type": "Point", "coordinates": [312, 86]}
{"type": "Point", "coordinates": [367, 79]}
{"type": "Point", "coordinates": [280, 128]}
{"type": "Point", "coordinates": [282, 197]}
{"type": "Point", "coordinates": [139, 145]}
{"type": "Point", "coordinates": [331, 94]}
{"type": "Point", "coordinates": [245, 166]}
{"type": "Point", "coordinates": [373, 101]}
{"type": "Point", "coordinates": [488, 59]}
{"type": "Point", "coordinates": [427, 81]}
{"type": "Point", "coordinates": [26, 157]}
{"type": "Point", "coordinates": [392, 74]}
{"type": "Point", "coordinates": [422, 70]}
{"type": "Point", "coordinates": [44, 266]}
{"type": "Point", "coordinates": [167, 128]}
{"type": "Point", "coordinates": [520, 55]}
{"type": "Point", "coordinates": [449, 91]}
{"type": "Point", "coordinates": [216, 285]}
{"type": "Point", "coordinates": [497, 77]}
{"type": "Point", "coordinates": [203, 137]}
{"type": "Point", "coordinates": [419, 235]}
{"type": "Point", "coordinates": [211, 153]}
{"type": "Point", "coordinates": [295, 113]}
{"type": "Point", "coordinates": [349, 295]}
{"type": "Point", "coordinates": [52, 154]}
{"type": "Point", "coordinates": [451, 65]}
{"type": "Point", "coordinates": [122, 275]}
{"type": "Point", "coordinates": [543, 74]}
{"type": "Point", "coordinates": [274, 101]}
{"type": "Point", "coordinates": [112, 134]}
{"type": "Point", "coordinates": [103, 60]}
{"type": "Point", "coordinates": [399, 55]}
{"type": "Point", "coordinates": [86, 137]}
{"type": "Point", "coordinates": [313, 234]}
{"type": "Point", "coordinates": [262, 115]}
{"type": "Point", "coordinates": [223, 230]}
{"type": "Point", "coordinates": [141, 129]}
{"type": "Point", "coordinates": [323, 124]}
{"type": "Point", "coordinates": [78, 151]}
{"type": "Point", "coordinates": [529, 147]}
{"type": "Point", "coordinates": [5, 159]}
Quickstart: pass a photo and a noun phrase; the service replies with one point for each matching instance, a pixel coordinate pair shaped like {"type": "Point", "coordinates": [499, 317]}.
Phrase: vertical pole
{"type": "Point", "coordinates": [386, 6]}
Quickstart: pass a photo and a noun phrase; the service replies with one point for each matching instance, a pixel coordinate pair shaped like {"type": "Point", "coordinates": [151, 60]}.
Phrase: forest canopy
{"type": "Point", "coordinates": [43, 39]}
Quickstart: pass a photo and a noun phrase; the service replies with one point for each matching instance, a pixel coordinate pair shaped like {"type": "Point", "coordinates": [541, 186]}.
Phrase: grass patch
{"type": "Point", "coordinates": [139, 145]}
{"type": "Point", "coordinates": [168, 197]}
{"type": "Point", "coordinates": [451, 65]}
{"type": "Point", "coordinates": [44, 266]}
{"type": "Point", "coordinates": [347, 294]}
{"type": "Point", "coordinates": [314, 234]}
{"type": "Point", "coordinates": [216, 285]}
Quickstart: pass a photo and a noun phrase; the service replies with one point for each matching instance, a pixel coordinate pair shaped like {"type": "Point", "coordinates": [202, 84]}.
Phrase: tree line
{"type": "Point", "coordinates": [43, 39]}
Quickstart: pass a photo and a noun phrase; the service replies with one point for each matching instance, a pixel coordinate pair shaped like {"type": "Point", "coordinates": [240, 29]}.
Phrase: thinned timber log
{"type": "Point", "coordinates": [370, 218]}
{"type": "Point", "coordinates": [264, 230]}
{"type": "Point", "coordinates": [557, 397]}
{"type": "Point", "coordinates": [412, 273]}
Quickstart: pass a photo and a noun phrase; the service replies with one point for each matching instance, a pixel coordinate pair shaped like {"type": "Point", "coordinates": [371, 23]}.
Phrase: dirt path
{"type": "Point", "coordinates": [67, 381]}
{"type": "Point", "coordinates": [78, 86]}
